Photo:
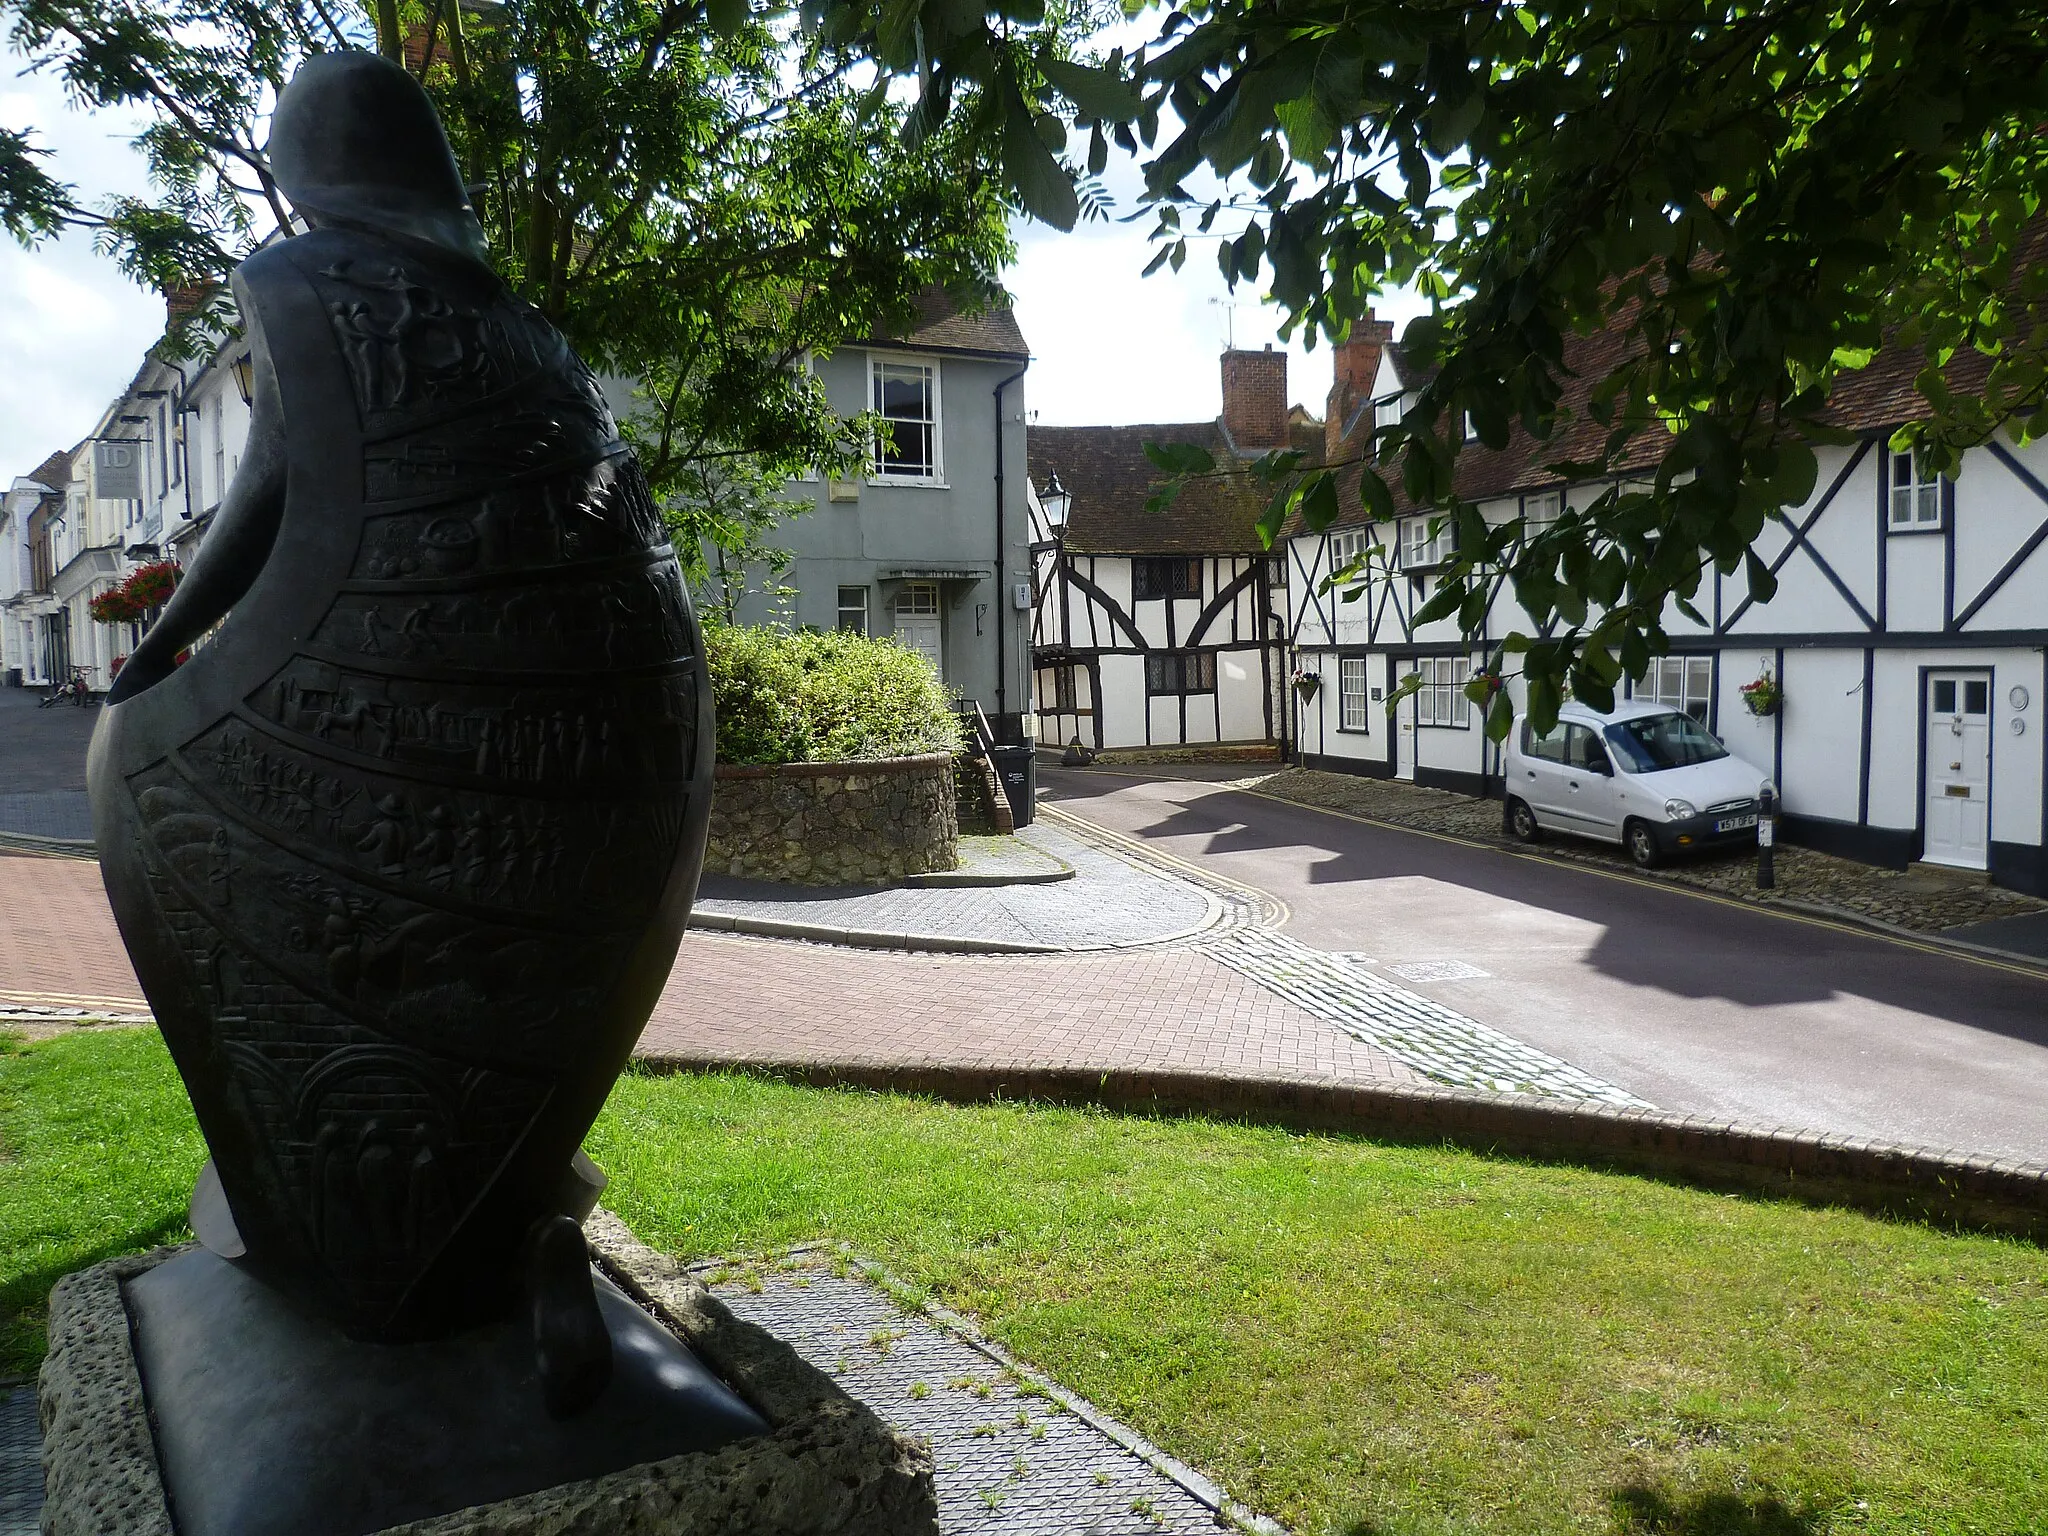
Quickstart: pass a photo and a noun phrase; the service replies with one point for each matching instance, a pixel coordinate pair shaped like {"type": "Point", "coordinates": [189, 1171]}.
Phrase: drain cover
{"type": "Point", "coordinates": [1438, 970]}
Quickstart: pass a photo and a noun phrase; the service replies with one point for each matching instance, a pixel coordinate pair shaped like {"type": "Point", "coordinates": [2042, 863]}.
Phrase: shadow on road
{"type": "Point", "coordinates": [1650, 936]}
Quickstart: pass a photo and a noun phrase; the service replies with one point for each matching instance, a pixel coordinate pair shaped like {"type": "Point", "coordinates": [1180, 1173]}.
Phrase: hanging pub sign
{"type": "Point", "coordinates": [117, 469]}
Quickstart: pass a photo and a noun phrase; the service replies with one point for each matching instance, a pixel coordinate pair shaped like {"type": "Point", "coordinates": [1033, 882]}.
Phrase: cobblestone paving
{"type": "Point", "coordinates": [62, 813]}
{"type": "Point", "coordinates": [1008, 1459]}
{"type": "Point", "coordinates": [1438, 1042]}
{"type": "Point", "coordinates": [1925, 900]}
{"type": "Point", "coordinates": [1110, 902]}
{"type": "Point", "coordinates": [21, 1463]}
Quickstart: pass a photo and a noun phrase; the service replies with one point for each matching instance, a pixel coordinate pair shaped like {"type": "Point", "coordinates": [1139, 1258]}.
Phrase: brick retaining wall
{"type": "Point", "coordinates": [1950, 1189]}
{"type": "Point", "coordinates": [857, 823]}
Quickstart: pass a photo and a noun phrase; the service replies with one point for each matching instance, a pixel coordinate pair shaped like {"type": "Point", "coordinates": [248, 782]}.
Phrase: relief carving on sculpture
{"type": "Point", "coordinates": [402, 854]}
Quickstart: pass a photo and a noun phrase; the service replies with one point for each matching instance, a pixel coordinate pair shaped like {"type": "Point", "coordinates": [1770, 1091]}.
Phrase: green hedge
{"type": "Point", "coordinates": [806, 697]}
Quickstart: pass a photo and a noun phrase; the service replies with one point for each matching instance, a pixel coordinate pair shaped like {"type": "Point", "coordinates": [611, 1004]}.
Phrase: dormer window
{"type": "Point", "coordinates": [1387, 411]}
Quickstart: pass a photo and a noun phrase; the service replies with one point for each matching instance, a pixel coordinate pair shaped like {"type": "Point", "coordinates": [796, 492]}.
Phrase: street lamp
{"type": "Point", "coordinates": [245, 377]}
{"type": "Point", "coordinates": [1056, 501]}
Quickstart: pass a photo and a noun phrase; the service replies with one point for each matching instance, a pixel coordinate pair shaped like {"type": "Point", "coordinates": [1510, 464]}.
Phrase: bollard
{"type": "Point", "coordinates": [1766, 835]}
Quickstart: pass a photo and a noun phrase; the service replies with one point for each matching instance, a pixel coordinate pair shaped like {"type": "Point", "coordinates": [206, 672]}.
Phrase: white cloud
{"type": "Point", "coordinates": [1110, 346]}
{"type": "Point", "coordinates": [72, 328]}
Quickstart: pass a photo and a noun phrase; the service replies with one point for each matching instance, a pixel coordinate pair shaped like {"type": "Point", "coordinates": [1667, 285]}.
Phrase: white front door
{"type": "Point", "coordinates": [1404, 739]}
{"type": "Point", "coordinates": [917, 623]}
{"type": "Point", "coordinates": [1958, 745]}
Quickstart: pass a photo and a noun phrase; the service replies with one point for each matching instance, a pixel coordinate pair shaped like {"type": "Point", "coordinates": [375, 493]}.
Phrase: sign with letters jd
{"type": "Point", "coordinates": [117, 470]}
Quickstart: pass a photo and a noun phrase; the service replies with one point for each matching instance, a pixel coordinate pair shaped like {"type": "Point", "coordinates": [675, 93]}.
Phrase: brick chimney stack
{"type": "Point", "coordinates": [1357, 365]}
{"type": "Point", "coordinates": [185, 300]}
{"type": "Point", "coordinates": [1255, 399]}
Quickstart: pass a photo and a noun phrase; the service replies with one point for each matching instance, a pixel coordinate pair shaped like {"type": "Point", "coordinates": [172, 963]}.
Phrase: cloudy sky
{"type": "Point", "coordinates": [1108, 345]}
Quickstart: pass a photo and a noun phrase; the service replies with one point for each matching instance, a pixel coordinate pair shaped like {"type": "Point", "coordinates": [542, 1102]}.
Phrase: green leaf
{"type": "Point", "coordinates": [1098, 93]}
{"type": "Point", "coordinates": [1181, 458]}
{"type": "Point", "coordinates": [726, 16]}
{"type": "Point", "coordinates": [1500, 716]}
{"type": "Point", "coordinates": [1319, 501]}
{"type": "Point", "coordinates": [1040, 182]}
{"type": "Point", "coordinates": [1763, 586]}
{"type": "Point", "coordinates": [1375, 496]}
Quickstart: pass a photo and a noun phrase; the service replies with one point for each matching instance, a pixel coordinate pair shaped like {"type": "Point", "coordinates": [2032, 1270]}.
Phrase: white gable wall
{"type": "Point", "coordinates": [1855, 600]}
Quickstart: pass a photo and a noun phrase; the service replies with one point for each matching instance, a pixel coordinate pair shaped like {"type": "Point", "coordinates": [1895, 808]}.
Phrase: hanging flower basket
{"type": "Point", "coordinates": [151, 585]}
{"type": "Point", "coordinates": [1763, 696]}
{"type": "Point", "coordinates": [114, 606]}
{"type": "Point", "coordinates": [147, 589]}
{"type": "Point", "coordinates": [1307, 683]}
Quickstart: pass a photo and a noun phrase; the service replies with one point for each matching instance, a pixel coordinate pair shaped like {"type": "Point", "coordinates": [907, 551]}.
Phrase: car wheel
{"type": "Point", "coordinates": [1642, 846]}
{"type": "Point", "coordinates": [1522, 822]}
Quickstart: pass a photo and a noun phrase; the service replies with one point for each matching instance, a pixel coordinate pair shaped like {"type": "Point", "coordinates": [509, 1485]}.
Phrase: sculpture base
{"type": "Point", "coordinates": [266, 1421]}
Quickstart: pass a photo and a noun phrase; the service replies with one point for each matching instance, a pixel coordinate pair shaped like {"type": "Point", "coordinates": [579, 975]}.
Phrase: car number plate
{"type": "Point", "coordinates": [1734, 823]}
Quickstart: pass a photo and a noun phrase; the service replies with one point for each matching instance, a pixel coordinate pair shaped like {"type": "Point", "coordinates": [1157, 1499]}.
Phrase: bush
{"type": "Point", "coordinates": [786, 697]}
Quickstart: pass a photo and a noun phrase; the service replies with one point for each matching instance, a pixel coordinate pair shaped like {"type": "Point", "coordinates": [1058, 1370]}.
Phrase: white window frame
{"type": "Point", "coordinates": [1422, 550]}
{"type": "Point", "coordinates": [1354, 699]}
{"type": "Point", "coordinates": [1685, 683]}
{"type": "Point", "coordinates": [1388, 410]}
{"type": "Point", "coordinates": [1346, 545]}
{"type": "Point", "coordinates": [846, 609]}
{"type": "Point", "coordinates": [1441, 701]}
{"type": "Point", "coordinates": [1909, 489]}
{"type": "Point", "coordinates": [220, 449]}
{"type": "Point", "coordinates": [1540, 510]}
{"type": "Point", "coordinates": [883, 475]}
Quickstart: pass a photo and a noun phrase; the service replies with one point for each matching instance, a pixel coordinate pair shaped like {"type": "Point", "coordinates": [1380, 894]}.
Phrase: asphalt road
{"type": "Point", "coordinates": [1696, 1003]}
{"type": "Point", "coordinates": [42, 749]}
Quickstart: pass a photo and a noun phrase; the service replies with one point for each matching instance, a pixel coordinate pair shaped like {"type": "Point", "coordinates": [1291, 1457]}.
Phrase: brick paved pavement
{"type": "Point", "coordinates": [768, 1000]}
{"type": "Point", "coordinates": [59, 944]}
{"type": "Point", "coordinates": [764, 1000]}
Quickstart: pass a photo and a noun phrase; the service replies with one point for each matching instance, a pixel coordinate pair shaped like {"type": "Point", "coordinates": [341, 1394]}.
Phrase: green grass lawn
{"type": "Point", "coordinates": [1357, 1338]}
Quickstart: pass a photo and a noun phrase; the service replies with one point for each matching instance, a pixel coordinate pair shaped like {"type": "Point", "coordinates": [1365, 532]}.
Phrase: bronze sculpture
{"type": "Point", "coordinates": [403, 853]}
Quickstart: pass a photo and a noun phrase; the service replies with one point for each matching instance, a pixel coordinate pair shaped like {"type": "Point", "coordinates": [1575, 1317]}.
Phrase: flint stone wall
{"type": "Point", "coordinates": [858, 823]}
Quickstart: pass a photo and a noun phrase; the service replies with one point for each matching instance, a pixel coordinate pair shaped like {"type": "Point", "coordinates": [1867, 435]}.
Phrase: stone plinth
{"type": "Point", "coordinates": [856, 823]}
{"type": "Point", "coordinates": [828, 1465]}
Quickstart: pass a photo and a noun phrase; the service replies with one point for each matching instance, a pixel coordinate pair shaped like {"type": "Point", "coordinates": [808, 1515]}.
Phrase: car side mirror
{"type": "Point", "coordinates": [1599, 763]}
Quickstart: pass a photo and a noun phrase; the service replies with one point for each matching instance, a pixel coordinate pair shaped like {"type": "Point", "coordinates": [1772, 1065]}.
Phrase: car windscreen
{"type": "Point", "coordinates": [1652, 743]}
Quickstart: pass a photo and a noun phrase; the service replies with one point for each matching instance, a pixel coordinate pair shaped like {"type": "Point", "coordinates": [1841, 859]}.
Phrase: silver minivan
{"type": "Point", "coordinates": [1642, 774]}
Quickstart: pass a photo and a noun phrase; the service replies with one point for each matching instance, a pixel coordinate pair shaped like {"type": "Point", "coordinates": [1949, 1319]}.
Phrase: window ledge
{"type": "Point", "coordinates": [911, 482]}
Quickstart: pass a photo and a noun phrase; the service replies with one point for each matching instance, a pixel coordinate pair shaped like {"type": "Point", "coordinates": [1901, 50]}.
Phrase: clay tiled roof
{"type": "Point", "coordinates": [943, 326]}
{"type": "Point", "coordinates": [55, 471]}
{"type": "Point", "coordinates": [1109, 477]}
{"type": "Point", "coordinates": [1876, 398]}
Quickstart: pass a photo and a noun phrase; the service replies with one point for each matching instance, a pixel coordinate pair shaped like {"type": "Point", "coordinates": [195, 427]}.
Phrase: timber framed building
{"type": "Point", "coordinates": [1908, 633]}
